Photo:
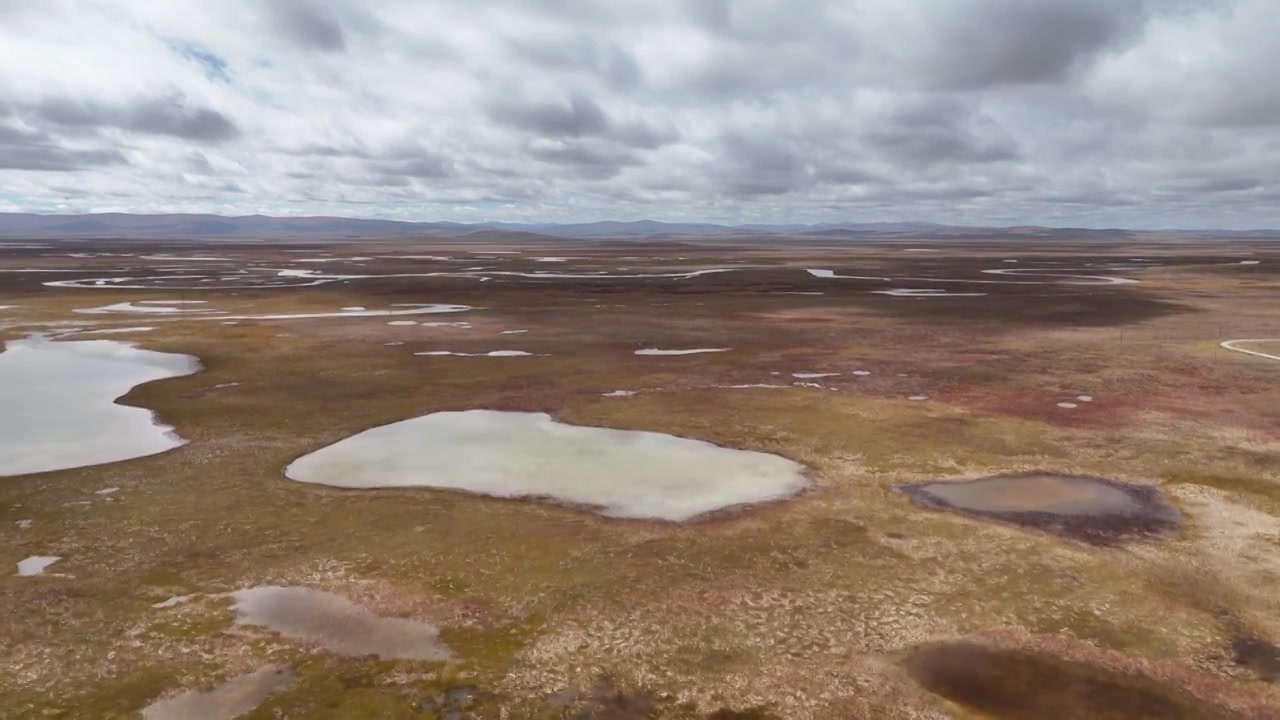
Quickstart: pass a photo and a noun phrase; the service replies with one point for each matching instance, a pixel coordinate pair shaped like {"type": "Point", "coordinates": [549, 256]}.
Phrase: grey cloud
{"type": "Point", "coordinates": [1083, 196]}
{"type": "Point", "coordinates": [593, 162]}
{"type": "Point", "coordinates": [727, 76]}
{"type": "Point", "coordinates": [918, 141]}
{"type": "Point", "coordinates": [199, 162]}
{"type": "Point", "coordinates": [763, 50]}
{"type": "Point", "coordinates": [212, 184]}
{"type": "Point", "coordinates": [966, 111]}
{"type": "Point", "coordinates": [330, 151]}
{"type": "Point", "coordinates": [157, 116]}
{"type": "Point", "coordinates": [988, 43]}
{"type": "Point", "coordinates": [495, 171]}
{"type": "Point", "coordinates": [396, 164]}
{"type": "Point", "coordinates": [389, 163]}
{"type": "Point", "coordinates": [762, 154]}
{"type": "Point", "coordinates": [768, 24]}
{"type": "Point", "coordinates": [646, 137]}
{"type": "Point", "coordinates": [945, 192]}
{"type": "Point", "coordinates": [28, 150]}
{"type": "Point", "coordinates": [595, 14]}
{"type": "Point", "coordinates": [840, 174]}
{"type": "Point", "coordinates": [715, 15]}
{"type": "Point", "coordinates": [748, 185]}
{"type": "Point", "coordinates": [763, 72]}
{"type": "Point", "coordinates": [57, 159]}
{"type": "Point", "coordinates": [1256, 104]}
{"type": "Point", "coordinates": [581, 116]}
{"type": "Point", "coordinates": [389, 181]}
{"type": "Point", "coordinates": [938, 145]}
{"type": "Point", "coordinates": [66, 112]}
{"type": "Point", "coordinates": [18, 136]}
{"type": "Point", "coordinates": [70, 191]}
{"type": "Point", "coordinates": [752, 165]}
{"type": "Point", "coordinates": [937, 131]}
{"type": "Point", "coordinates": [423, 166]}
{"type": "Point", "coordinates": [310, 24]}
{"type": "Point", "coordinates": [1220, 185]}
{"type": "Point", "coordinates": [920, 112]}
{"type": "Point", "coordinates": [582, 54]}
{"type": "Point", "coordinates": [171, 117]}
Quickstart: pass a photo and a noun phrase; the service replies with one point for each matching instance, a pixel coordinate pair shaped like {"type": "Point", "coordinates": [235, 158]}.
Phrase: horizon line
{"type": "Point", "coordinates": [834, 224]}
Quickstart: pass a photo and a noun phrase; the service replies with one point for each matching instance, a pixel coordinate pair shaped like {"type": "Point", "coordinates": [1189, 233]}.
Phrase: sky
{"type": "Point", "coordinates": [1083, 113]}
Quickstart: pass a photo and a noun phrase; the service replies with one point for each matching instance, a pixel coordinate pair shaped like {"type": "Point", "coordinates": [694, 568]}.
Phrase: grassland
{"type": "Point", "coordinates": [811, 608]}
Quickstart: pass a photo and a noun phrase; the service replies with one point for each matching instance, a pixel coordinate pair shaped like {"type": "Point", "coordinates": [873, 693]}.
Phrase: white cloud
{"type": "Point", "coordinates": [1126, 112]}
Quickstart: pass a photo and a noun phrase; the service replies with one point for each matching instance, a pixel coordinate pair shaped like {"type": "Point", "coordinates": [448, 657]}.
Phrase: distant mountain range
{"type": "Point", "coordinates": [184, 226]}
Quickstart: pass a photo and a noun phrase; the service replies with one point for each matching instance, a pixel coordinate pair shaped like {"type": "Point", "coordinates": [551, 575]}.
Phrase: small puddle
{"type": "Point", "coordinates": [149, 307]}
{"type": "Point", "coordinates": [337, 624]}
{"type": "Point", "coordinates": [491, 353]}
{"type": "Point", "coordinates": [175, 601]}
{"type": "Point", "coordinates": [1091, 509]}
{"type": "Point", "coordinates": [923, 293]}
{"type": "Point", "coordinates": [420, 310]}
{"type": "Point", "coordinates": [691, 351]}
{"type": "Point", "coordinates": [115, 331]}
{"type": "Point", "coordinates": [36, 564]}
{"type": "Point", "coordinates": [232, 699]}
{"type": "Point", "coordinates": [1021, 685]}
{"type": "Point", "coordinates": [530, 455]}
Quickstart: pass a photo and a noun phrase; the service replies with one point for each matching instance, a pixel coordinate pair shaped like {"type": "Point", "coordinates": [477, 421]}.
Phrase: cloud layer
{"type": "Point", "coordinates": [1139, 113]}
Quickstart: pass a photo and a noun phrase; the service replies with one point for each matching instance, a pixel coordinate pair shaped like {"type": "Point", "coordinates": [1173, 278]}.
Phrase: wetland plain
{"type": "Point", "coordinates": [548, 478]}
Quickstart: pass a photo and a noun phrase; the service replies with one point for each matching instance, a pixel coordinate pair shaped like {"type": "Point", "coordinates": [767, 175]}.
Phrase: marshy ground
{"type": "Point", "coordinates": [846, 601]}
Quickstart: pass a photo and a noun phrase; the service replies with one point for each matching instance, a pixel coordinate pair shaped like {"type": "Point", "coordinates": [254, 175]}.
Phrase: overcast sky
{"type": "Point", "coordinates": [1138, 113]}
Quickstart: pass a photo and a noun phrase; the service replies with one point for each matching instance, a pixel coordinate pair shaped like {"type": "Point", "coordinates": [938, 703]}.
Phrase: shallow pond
{"type": "Point", "coordinates": [622, 473]}
{"type": "Point", "coordinates": [57, 403]}
{"type": "Point", "coordinates": [337, 624]}
{"type": "Point", "coordinates": [1086, 508]}
{"type": "Point", "coordinates": [232, 699]}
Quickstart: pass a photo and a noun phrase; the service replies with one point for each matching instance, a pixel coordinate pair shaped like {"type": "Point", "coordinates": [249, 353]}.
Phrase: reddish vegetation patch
{"type": "Point", "coordinates": [1041, 405]}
